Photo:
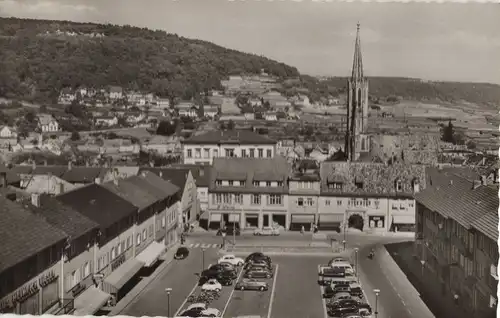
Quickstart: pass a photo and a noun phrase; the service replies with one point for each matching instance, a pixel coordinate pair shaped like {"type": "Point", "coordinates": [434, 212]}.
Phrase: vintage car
{"type": "Point", "coordinates": [267, 231]}
{"type": "Point", "coordinates": [252, 284]}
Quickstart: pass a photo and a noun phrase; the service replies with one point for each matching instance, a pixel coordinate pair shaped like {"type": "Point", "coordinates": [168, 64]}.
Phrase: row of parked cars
{"type": "Point", "coordinates": [344, 293]}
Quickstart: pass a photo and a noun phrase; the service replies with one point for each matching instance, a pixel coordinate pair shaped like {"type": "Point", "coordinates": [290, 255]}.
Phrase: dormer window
{"type": "Point", "coordinates": [255, 183]}
{"type": "Point", "coordinates": [268, 183]}
{"type": "Point", "coordinates": [399, 185]}
{"type": "Point", "coordinates": [242, 183]}
{"type": "Point", "coordinates": [359, 185]}
{"type": "Point", "coordinates": [335, 185]}
{"type": "Point", "coordinates": [280, 183]}
{"type": "Point", "coordinates": [230, 182]}
{"type": "Point", "coordinates": [415, 185]}
{"type": "Point", "coordinates": [218, 182]}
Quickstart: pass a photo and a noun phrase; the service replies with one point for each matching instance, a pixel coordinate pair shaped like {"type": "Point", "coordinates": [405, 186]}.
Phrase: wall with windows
{"type": "Point", "coordinates": [79, 268]}
{"type": "Point", "coordinates": [195, 154]}
{"type": "Point", "coordinates": [189, 201]}
{"type": "Point", "coordinates": [144, 233]}
{"type": "Point", "coordinates": [116, 251]}
{"type": "Point", "coordinates": [486, 271]}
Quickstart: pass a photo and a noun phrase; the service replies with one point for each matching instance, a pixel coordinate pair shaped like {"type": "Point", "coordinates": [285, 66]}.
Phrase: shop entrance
{"type": "Point", "coordinates": [265, 220]}
{"type": "Point", "coordinates": [252, 221]}
{"type": "Point", "coordinates": [280, 220]}
{"type": "Point", "coordinates": [356, 221]}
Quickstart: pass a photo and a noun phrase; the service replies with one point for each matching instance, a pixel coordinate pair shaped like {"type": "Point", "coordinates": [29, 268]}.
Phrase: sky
{"type": "Point", "coordinates": [449, 42]}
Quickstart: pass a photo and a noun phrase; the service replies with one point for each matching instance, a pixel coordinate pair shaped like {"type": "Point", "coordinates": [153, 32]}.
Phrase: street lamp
{"type": "Point", "coordinates": [168, 290]}
{"type": "Point", "coordinates": [377, 292]}
{"type": "Point", "coordinates": [356, 263]}
{"type": "Point", "coordinates": [345, 234]}
{"type": "Point", "coordinates": [203, 258]}
{"type": "Point", "coordinates": [343, 243]}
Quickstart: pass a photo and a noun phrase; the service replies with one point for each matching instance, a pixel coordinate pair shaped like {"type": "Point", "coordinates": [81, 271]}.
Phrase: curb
{"type": "Point", "coordinates": [141, 286]}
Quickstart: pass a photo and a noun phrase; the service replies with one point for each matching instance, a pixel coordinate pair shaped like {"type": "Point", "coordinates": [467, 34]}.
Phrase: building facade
{"type": "Point", "coordinates": [303, 199]}
{"type": "Point", "coordinates": [249, 192]}
{"type": "Point", "coordinates": [202, 149]}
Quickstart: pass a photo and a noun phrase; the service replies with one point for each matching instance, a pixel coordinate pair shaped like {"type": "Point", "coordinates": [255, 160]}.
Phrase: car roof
{"type": "Point", "coordinates": [342, 294]}
{"type": "Point", "coordinates": [229, 255]}
{"type": "Point", "coordinates": [197, 305]}
{"type": "Point", "coordinates": [341, 263]}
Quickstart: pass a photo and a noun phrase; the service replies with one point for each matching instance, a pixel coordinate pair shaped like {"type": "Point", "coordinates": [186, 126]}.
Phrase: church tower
{"type": "Point", "coordinates": [356, 139]}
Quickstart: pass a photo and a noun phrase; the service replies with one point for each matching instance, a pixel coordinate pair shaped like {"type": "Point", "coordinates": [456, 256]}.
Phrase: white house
{"type": "Point", "coordinates": [271, 116]}
{"type": "Point", "coordinates": [47, 123]}
{"type": "Point", "coordinates": [106, 120]}
{"type": "Point", "coordinates": [210, 111]}
{"type": "Point", "coordinates": [8, 132]}
{"type": "Point", "coordinates": [115, 92]}
{"type": "Point", "coordinates": [187, 109]}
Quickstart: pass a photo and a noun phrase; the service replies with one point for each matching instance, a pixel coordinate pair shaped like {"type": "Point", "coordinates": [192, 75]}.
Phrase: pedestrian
{"type": "Point", "coordinates": [455, 297]}
{"type": "Point", "coordinates": [302, 229]}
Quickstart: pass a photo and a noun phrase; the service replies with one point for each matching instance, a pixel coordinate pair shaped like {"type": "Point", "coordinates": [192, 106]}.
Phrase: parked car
{"type": "Point", "coordinates": [251, 284]}
{"type": "Point", "coordinates": [257, 256]}
{"type": "Point", "coordinates": [227, 266]}
{"type": "Point", "coordinates": [225, 280]}
{"type": "Point", "coordinates": [191, 313]}
{"type": "Point", "coordinates": [341, 296]}
{"type": "Point", "coordinates": [221, 277]}
{"type": "Point", "coordinates": [343, 303]}
{"type": "Point", "coordinates": [342, 311]}
{"type": "Point", "coordinates": [229, 230]}
{"type": "Point", "coordinates": [211, 284]}
{"type": "Point", "coordinates": [337, 260]}
{"type": "Point", "coordinates": [258, 272]}
{"type": "Point", "coordinates": [331, 291]}
{"type": "Point", "coordinates": [205, 310]}
{"type": "Point", "coordinates": [267, 231]}
{"type": "Point", "coordinates": [181, 253]}
{"type": "Point", "coordinates": [229, 258]}
{"type": "Point", "coordinates": [258, 263]}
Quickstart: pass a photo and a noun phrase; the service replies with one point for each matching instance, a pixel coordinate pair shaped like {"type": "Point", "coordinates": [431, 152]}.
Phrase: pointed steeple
{"type": "Point", "coordinates": [357, 65]}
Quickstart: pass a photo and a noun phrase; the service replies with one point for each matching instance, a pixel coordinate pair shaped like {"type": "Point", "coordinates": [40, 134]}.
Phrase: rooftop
{"type": "Point", "coordinates": [201, 173]}
{"type": "Point", "coordinates": [98, 204]}
{"type": "Point", "coordinates": [130, 189]}
{"type": "Point", "coordinates": [178, 177]}
{"type": "Point", "coordinates": [242, 137]}
{"type": "Point", "coordinates": [23, 234]}
{"type": "Point", "coordinates": [156, 186]}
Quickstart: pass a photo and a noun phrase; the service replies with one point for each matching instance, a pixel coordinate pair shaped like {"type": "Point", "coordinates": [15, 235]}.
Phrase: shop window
{"type": "Point", "coordinates": [300, 202]}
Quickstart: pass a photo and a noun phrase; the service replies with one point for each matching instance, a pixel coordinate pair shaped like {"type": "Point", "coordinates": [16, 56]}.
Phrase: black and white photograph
{"type": "Point", "coordinates": [249, 159]}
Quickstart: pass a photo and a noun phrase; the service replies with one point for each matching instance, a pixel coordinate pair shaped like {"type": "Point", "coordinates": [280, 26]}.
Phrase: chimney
{"type": "Point", "coordinates": [3, 179]}
{"type": "Point", "coordinates": [476, 184]}
{"type": "Point", "coordinates": [60, 188]}
{"type": "Point", "coordinates": [97, 180]}
{"type": "Point", "coordinates": [35, 199]}
{"type": "Point", "coordinates": [70, 164]}
{"type": "Point", "coordinates": [484, 180]}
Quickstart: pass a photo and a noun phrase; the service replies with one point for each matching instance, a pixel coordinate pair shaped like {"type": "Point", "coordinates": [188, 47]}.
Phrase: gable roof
{"type": "Point", "coordinates": [23, 234]}
{"type": "Point", "coordinates": [249, 170]}
{"type": "Point", "coordinates": [63, 217]}
{"type": "Point", "coordinates": [488, 225]}
{"type": "Point", "coordinates": [129, 189]}
{"type": "Point", "coordinates": [455, 197]}
{"type": "Point", "coordinates": [84, 174]}
{"type": "Point", "coordinates": [158, 187]}
{"type": "Point", "coordinates": [378, 179]}
{"type": "Point", "coordinates": [98, 204]}
{"type": "Point", "coordinates": [177, 177]}
{"type": "Point", "coordinates": [201, 173]}
{"type": "Point", "coordinates": [242, 137]}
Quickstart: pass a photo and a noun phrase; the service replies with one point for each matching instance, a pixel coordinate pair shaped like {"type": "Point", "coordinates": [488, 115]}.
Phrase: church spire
{"type": "Point", "coordinates": [357, 65]}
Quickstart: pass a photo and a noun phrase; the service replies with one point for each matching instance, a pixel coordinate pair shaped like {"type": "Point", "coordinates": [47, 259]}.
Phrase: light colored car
{"type": "Point", "coordinates": [338, 260]}
{"type": "Point", "coordinates": [267, 231]}
{"type": "Point", "coordinates": [212, 284]}
{"type": "Point", "coordinates": [251, 284]}
{"type": "Point", "coordinates": [231, 259]}
{"type": "Point", "coordinates": [205, 310]}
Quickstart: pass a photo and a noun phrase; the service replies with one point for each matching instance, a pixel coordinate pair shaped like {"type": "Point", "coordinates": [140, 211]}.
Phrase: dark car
{"type": "Point", "coordinates": [342, 311]}
{"type": "Point", "coordinates": [330, 290]}
{"type": "Point", "coordinates": [181, 253]}
{"type": "Point", "coordinates": [225, 280]}
{"type": "Point", "coordinates": [257, 256]}
{"type": "Point", "coordinates": [229, 230]}
{"type": "Point", "coordinates": [351, 303]}
{"type": "Point", "coordinates": [258, 272]}
{"type": "Point", "coordinates": [195, 312]}
{"type": "Point", "coordinates": [258, 263]}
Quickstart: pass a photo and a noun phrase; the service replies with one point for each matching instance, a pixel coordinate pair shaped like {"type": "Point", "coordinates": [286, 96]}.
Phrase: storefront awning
{"type": "Point", "coordinates": [151, 253]}
{"type": "Point", "coordinates": [90, 301]}
{"type": "Point", "coordinates": [234, 218]}
{"type": "Point", "coordinates": [302, 218]}
{"type": "Point", "coordinates": [123, 274]}
{"type": "Point", "coordinates": [331, 218]}
{"type": "Point", "coordinates": [204, 216]}
{"type": "Point", "coordinates": [403, 219]}
{"type": "Point", "coordinates": [215, 217]}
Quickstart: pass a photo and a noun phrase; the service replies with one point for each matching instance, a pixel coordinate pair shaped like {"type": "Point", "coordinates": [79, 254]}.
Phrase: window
{"type": "Point", "coordinates": [229, 152]}
{"type": "Point", "coordinates": [275, 199]}
{"type": "Point", "coordinates": [243, 183]}
{"type": "Point", "coordinates": [359, 185]}
{"type": "Point", "coordinates": [238, 198]}
{"type": "Point", "coordinates": [335, 185]}
{"type": "Point", "coordinates": [86, 269]}
{"type": "Point", "coordinates": [206, 153]}
{"type": "Point", "coordinates": [394, 206]}
{"type": "Point", "coordinates": [216, 153]}
{"type": "Point", "coordinates": [138, 239]}
{"type": "Point", "coordinates": [280, 183]}
{"type": "Point", "coordinates": [300, 202]}
{"type": "Point", "coordinates": [252, 153]}
{"type": "Point", "coordinates": [190, 153]}
{"type": "Point", "coordinates": [150, 231]}
{"type": "Point", "coordinates": [268, 183]}
{"type": "Point", "coordinates": [197, 153]}
{"type": "Point", "coordinates": [217, 198]}
{"type": "Point", "coordinates": [480, 270]}
{"type": "Point", "coordinates": [144, 235]}
{"type": "Point", "coordinates": [480, 242]}
{"type": "Point", "coordinates": [255, 183]}
{"type": "Point", "coordinates": [163, 221]}
{"type": "Point", "coordinates": [113, 253]}
{"type": "Point", "coordinates": [218, 182]}
{"type": "Point", "coordinates": [327, 202]}
{"type": "Point", "coordinates": [399, 185]}
{"type": "Point", "coordinates": [494, 271]}
{"type": "Point", "coordinates": [226, 198]}
{"type": "Point", "coordinates": [309, 201]}
{"type": "Point", "coordinates": [269, 153]}
{"type": "Point", "coordinates": [230, 182]}
{"type": "Point", "coordinates": [123, 248]}
{"type": "Point", "coordinates": [339, 202]}
{"type": "Point", "coordinates": [243, 153]}
{"type": "Point", "coordinates": [256, 199]}
{"type": "Point", "coordinates": [260, 152]}
{"type": "Point", "coordinates": [129, 241]}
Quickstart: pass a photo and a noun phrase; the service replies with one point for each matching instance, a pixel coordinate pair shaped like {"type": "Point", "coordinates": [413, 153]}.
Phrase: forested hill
{"type": "Point", "coordinates": [38, 58]}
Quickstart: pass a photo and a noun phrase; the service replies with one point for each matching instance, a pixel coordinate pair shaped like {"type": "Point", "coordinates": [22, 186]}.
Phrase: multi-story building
{"type": "Point", "coordinates": [249, 191]}
{"type": "Point", "coordinates": [370, 196]}
{"type": "Point", "coordinates": [457, 234]}
{"type": "Point", "coordinates": [226, 144]}
{"type": "Point", "coordinates": [200, 174]}
{"type": "Point", "coordinates": [31, 254]}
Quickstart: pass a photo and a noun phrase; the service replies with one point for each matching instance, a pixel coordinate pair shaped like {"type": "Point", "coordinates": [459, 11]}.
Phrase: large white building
{"type": "Point", "coordinates": [202, 149]}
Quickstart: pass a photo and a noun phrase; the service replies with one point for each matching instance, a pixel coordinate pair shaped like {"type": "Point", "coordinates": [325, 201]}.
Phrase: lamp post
{"type": "Point", "coordinates": [377, 292]}
{"type": "Point", "coordinates": [345, 233]}
{"type": "Point", "coordinates": [356, 263]}
{"type": "Point", "coordinates": [203, 258]}
{"type": "Point", "coordinates": [168, 290]}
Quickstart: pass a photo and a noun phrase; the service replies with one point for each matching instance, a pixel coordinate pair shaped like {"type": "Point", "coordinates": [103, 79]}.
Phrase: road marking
{"type": "Point", "coordinates": [272, 292]}
{"type": "Point", "coordinates": [185, 300]}
{"type": "Point", "coordinates": [231, 294]}
{"type": "Point", "coordinates": [323, 300]}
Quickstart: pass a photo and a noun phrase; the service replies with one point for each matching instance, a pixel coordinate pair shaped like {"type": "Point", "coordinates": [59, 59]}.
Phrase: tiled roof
{"type": "Point", "coordinates": [84, 174]}
{"type": "Point", "coordinates": [155, 185]}
{"type": "Point", "coordinates": [243, 137]}
{"type": "Point", "coordinates": [455, 197]}
{"type": "Point", "coordinates": [131, 190]}
{"type": "Point", "coordinates": [201, 173]}
{"type": "Point", "coordinates": [57, 171]}
{"type": "Point", "coordinates": [378, 179]}
{"type": "Point", "coordinates": [98, 204]}
{"type": "Point", "coordinates": [23, 234]}
{"type": "Point", "coordinates": [258, 169]}
{"type": "Point", "coordinates": [177, 177]}
{"type": "Point", "coordinates": [488, 225]}
{"type": "Point", "coordinates": [63, 217]}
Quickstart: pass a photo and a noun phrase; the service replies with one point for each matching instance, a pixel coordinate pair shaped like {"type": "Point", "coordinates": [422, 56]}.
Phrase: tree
{"type": "Point", "coordinates": [166, 128]}
{"type": "Point", "coordinates": [75, 136]}
{"type": "Point", "coordinates": [448, 133]}
{"type": "Point", "coordinates": [471, 145]}
{"type": "Point", "coordinates": [30, 117]}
